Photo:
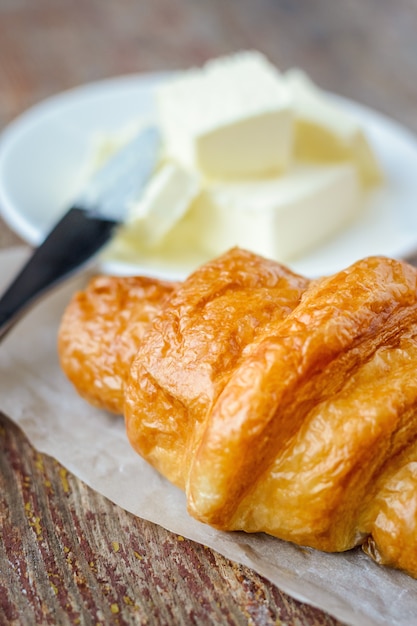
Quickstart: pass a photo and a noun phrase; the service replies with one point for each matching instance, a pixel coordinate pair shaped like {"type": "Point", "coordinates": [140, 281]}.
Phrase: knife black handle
{"type": "Point", "coordinates": [73, 241]}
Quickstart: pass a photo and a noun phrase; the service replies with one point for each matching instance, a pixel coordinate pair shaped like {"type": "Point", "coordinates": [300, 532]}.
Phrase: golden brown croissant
{"type": "Point", "coordinates": [100, 333]}
{"type": "Point", "coordinates": [192, 350]}
{"type": "Point", "coordinates": [286, 406]}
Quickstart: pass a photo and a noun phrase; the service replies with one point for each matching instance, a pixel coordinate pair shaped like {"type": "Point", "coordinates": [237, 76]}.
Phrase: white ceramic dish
{"type": "Point", "coordinates": [43, 151]}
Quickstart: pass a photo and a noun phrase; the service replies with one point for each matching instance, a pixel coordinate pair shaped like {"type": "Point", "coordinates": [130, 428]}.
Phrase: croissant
{"type": "Point", "coordinates": [283, 405]}
{"type": "Point", "coordinates": [101, 330]}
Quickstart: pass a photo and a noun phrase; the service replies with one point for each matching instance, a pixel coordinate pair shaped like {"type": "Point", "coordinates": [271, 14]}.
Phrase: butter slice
{"type": "Point", "coordinates": [165, 200]}
{"type": "Point", "coordinates": [325, 132]}
{"type": "Point", "coordinates": [280, 218]}
{"type": "Point", "coordinates": [229, 119]}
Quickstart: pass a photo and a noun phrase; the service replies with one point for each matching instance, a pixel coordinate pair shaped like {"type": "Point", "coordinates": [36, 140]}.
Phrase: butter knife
{"type": "Point", "coordinates": [86, 227]}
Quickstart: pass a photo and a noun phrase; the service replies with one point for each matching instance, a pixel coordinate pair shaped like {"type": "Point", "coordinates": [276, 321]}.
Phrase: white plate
{"type": "Point", "coordinates": [42, 153]}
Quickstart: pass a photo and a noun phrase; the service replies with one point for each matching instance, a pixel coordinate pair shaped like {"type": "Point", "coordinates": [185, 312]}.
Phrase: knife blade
{"type": "Point", "coordinates": [86, 226]}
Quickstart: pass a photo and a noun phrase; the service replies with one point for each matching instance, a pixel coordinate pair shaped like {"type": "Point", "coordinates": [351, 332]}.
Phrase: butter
{"type": "Point", "coordinates": [252, 158]}
{"type": "Point", "coordinates": [281, 218]}
{"type": "Point", "coordinates": [229, 119]}
{"type": "Point", "coordinates": [325, 132]}
{"type": "Point", "coordinates": [166, 198]}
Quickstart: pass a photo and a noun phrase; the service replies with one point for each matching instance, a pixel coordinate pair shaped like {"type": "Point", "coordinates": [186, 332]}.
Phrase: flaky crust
{"type": "Point", "coordinates": [192, 350]}
{"type": "Point", "coordinates": [286, 406]}
{"type": "Point", "coordinates": [100, 333]}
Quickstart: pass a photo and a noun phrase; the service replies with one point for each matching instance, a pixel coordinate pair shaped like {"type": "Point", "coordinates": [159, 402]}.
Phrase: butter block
{"type": "Point", "coordinates": [231, 118]}
{"type": "Point", "coordinates": [166, 198]}
{"type": "Point", "coordinates": [280, 218]}
{"type": "Point", "coordinates": [325, 132]}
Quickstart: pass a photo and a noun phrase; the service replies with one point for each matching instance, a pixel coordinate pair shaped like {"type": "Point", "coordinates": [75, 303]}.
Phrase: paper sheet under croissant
{"type": "Point", "coordinates": [93, 446]}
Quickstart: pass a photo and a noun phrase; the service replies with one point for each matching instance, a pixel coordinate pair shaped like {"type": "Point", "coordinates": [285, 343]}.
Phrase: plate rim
{"type": "Point", "coordinates": [32, 235]}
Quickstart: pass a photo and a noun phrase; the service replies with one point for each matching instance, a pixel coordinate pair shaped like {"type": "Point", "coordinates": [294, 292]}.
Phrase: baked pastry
{"type": "Point", "coordinates": [287, 406]}
{"type": "Point", "coordinates": [100, 333]}
{"type": "Point", "coordinates": [193, 348]}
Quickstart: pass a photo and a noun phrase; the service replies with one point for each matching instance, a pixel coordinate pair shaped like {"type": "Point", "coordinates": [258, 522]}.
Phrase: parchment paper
{"type": "Point", "coordinates": [93, 446]}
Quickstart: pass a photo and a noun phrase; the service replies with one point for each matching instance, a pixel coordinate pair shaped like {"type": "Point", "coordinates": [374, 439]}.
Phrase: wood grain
{"type": "Point", "coordinates": [67, 555]}
{"type": "Point", "coordinates": [70, 556]}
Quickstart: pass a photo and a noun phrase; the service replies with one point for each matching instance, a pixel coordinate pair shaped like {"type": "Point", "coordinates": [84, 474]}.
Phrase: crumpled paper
{"type": "Point", "coordinates": [93, 446]}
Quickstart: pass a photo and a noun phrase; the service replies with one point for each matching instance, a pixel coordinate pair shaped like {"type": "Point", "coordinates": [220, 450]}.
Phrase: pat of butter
{"type": "Point", "coordinates": [231, 118]}
{"type": "Point", "coordinates": [166, 198]}
{"type": "Point", "coordinates": [281, 217]}
{"type": "Point", "coordinates": [325, 132]}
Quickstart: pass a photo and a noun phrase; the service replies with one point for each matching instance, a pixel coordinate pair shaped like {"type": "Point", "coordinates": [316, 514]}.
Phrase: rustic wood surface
{"type": "Point", "coordinates": [67, 555]}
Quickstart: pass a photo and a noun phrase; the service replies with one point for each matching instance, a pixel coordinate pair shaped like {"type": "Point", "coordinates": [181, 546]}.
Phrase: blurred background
{"type": "Point", "coordinates": [365, 50]}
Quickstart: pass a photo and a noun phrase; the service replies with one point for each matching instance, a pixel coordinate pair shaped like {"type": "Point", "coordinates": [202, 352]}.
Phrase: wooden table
{"type": "Point", "coordinates": [67, 555]}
